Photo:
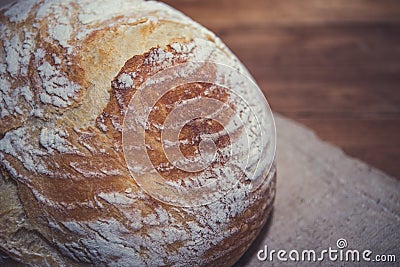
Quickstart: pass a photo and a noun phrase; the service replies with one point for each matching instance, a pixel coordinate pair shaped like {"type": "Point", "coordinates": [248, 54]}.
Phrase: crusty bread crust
{"type": "Point", "coordinates": [69, 70]}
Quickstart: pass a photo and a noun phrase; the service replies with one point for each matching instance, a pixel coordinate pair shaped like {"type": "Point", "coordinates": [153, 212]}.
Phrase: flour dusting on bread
{"type": "Point", "coordinates": [68, 70]}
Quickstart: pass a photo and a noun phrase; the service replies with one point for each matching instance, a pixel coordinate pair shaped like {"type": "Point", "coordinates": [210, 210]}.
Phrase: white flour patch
{"type": "Point", "coordinates": [20, 10]}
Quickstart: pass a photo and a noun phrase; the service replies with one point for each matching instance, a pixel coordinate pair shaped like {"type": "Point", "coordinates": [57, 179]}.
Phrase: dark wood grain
{"type": "Point", "coordinates": [331, 65]}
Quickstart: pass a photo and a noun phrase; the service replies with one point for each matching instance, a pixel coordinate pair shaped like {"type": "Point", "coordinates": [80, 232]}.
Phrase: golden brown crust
{"type": "Point", "coordinates": [61, 141]}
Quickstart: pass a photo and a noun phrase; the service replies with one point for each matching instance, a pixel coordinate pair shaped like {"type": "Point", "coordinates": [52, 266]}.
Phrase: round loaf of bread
{"type": "Point", "coordinates": [129, 136]}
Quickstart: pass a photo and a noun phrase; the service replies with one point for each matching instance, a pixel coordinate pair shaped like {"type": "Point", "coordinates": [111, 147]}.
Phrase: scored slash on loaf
{"type": "Point", "coordinates": [68, 73]}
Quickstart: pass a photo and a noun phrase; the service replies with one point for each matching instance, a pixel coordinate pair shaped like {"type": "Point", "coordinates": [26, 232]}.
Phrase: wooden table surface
{"type": "Point", "coordinates": [333, 66]}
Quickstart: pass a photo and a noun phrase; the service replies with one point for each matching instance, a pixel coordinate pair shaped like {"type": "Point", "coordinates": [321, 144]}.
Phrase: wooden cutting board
{"type": "Point", "coordinates": [322, 196]}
